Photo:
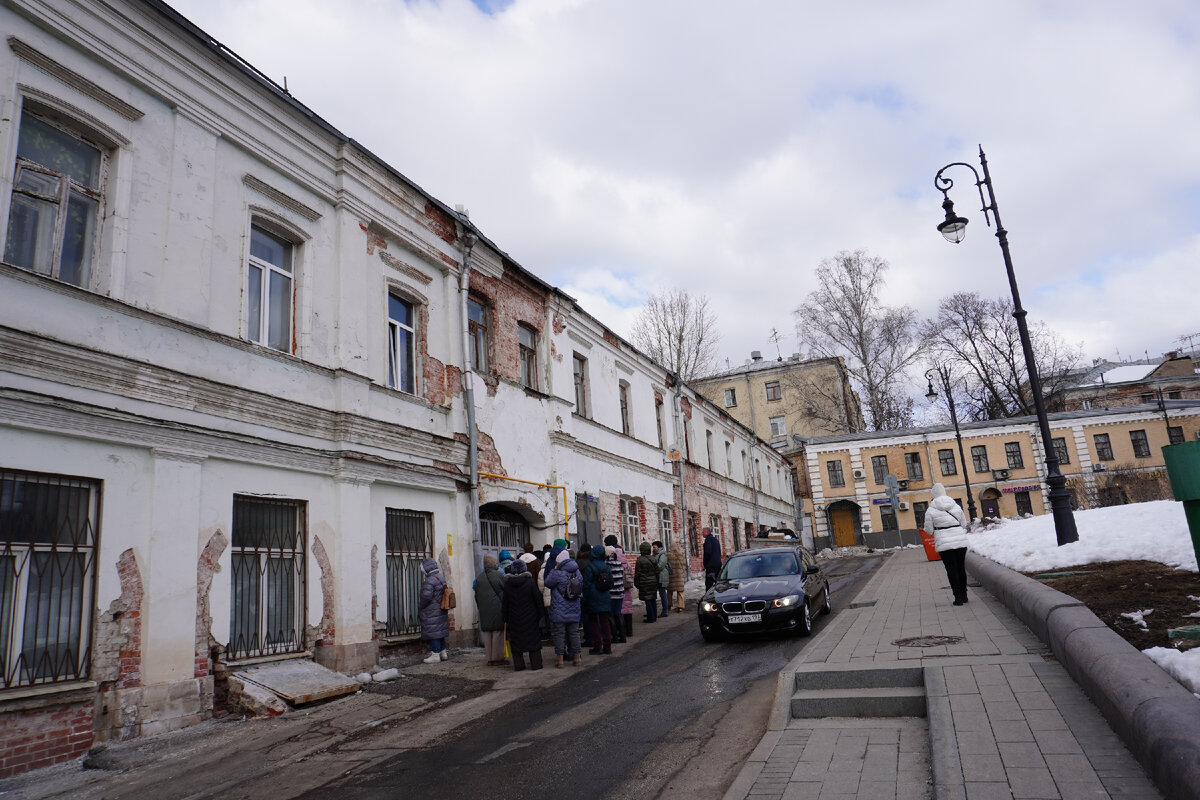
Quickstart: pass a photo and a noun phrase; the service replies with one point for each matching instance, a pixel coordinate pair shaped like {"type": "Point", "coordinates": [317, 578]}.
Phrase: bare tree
{"type": "Point", "coordinates": [679, 331]}
{"type": "Point", "coordinates": [982, 336]}
{"type": "Point", "coordinates": [845, 317]}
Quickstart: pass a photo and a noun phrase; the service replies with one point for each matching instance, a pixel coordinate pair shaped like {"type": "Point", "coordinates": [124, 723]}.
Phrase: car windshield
{"type": "Point", "coordinates": [762, 565]}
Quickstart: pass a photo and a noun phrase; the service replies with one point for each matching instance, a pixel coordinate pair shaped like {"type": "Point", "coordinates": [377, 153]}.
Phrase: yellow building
{"type": "Point", "coordinates": [1108, 457]}
{"type": "Point", "coordinates": [786, 397]}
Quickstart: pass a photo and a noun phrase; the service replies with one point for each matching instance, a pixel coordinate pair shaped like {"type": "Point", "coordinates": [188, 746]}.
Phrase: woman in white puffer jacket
{"type": "Point", "coordinates": [946, 521]}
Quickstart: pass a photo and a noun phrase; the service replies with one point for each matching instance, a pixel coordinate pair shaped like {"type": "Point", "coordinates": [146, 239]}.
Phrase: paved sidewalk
{"type": "Point", "coordinates": [1004, 720]}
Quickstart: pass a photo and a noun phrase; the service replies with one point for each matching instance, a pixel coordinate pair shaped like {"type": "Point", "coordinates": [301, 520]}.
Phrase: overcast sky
{"type": "Point", "coordinates": [621, 147]}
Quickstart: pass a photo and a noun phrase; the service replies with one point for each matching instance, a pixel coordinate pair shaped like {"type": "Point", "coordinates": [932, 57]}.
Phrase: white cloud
{"type": "Point", "coordinates": [617, 147]}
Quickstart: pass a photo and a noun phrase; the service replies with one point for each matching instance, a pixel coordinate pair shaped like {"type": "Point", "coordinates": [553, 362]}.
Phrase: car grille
{"type": "Point", "coordinates": [749, 607]}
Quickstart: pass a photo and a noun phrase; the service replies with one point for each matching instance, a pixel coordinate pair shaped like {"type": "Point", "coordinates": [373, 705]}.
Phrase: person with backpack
{"type": "Point", "coordinates": [489, 591]}
{"type": "Point", "coordinates": [566, 592]}
{"type": "Point", "coordinates": [659, 555]}
{"type": "Point", "coordinates": [645, 578]}
{"type": "Point", "coordinates": [522, 609]}
{"type": "Point", "coordinates": [597, 602]}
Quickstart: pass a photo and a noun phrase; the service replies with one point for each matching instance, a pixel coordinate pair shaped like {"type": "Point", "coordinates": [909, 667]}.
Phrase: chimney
{"type": "Point", "coordinates": [756, 355]}
{"type": "Point", "coordinates": [1171, 356]}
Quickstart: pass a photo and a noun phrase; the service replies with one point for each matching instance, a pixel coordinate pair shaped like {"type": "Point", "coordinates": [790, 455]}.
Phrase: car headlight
{"type": "Point", "coordinates": [708, 606]}
{"type": "Point", "coordinates": [784, 602]}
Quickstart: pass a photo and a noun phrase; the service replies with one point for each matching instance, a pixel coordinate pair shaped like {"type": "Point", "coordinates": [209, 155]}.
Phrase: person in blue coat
{"type": "Point", "coordinates": [435, 623]}
{"type": "Point", "coordinates": [564, 612]}
{"type": "Point", "coordinates": [597, 603]}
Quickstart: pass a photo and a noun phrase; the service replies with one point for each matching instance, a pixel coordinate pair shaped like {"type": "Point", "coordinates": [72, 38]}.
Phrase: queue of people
{"type": "Point", "coordinates": [574, 600]}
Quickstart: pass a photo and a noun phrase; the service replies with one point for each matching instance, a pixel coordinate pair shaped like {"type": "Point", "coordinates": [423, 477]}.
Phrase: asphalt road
{"type": "Point", "coordinates": [674, 717]}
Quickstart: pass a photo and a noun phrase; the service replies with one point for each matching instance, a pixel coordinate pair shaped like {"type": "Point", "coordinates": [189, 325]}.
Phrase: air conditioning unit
{"type": "Point", "coordinates": [902, 484]}
{"type": "Point", "coordinates": [999, 474]}
{"type": "Point", "coordinates": [903, 506]}
{"type": "Point", "coordinates": [858, 474]}
{"type": "Point", "coordinates": [1099, 467]}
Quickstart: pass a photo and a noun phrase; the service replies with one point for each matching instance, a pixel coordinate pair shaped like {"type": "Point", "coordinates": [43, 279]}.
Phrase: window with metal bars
{"type": "Point", "coordinates": [267, 605]}
{"type": "Point", "coordinates": [502, 529]}
{"type": "Point", "coordinates": [408, 542]}
{"type": "Point", "coordinates": [48, 538]}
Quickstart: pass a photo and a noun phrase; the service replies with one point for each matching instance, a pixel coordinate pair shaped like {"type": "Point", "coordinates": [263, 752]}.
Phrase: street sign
{"type": "Point", "coordinates": [893, 489]}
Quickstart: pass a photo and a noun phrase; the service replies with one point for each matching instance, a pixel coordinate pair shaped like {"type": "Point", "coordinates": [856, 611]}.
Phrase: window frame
{"type": "Point", "coordinates": [631, 529]}
{"type": "Point", "coordinates": [773, 390]}
{"type": "Point", "coordinates": [979, 458]}
{"type": "Point", "coordinates": [1175, 434]}
{"type": "Point", "coordinates": [731, 397]}
{"type": "Point", "coordinates": [404, 550]}
{"type": "Point", "coordinates": [268, 270]}
{"type": "Point", "coordinates": [527, 355]}
{"type": "Point", "coordinates": [62, 647]}
{"type": "Point", "coordinates": [1013, 455]}
{"type": "Point", "coordinates": [579, 378]}
{"type": "Point", "coordinates": [658, 420]}
{"type": "Point", "coordinates": [1140, 442]}
{"type": "Point", "coordinates": [1063, 453]}
{"type": "Point", "coordinates": [835, 472]}
{"type": "Point", "coordinates": [397, 330]}
{"type": "Point", "coordinates": [666, 526]}
{"type": "Point", "coordinates": [478, 340]}
{"type": "Point", "coordinates": [626, 413]}
{"type": "Point", "coordinates": [1023, 498]}
{"type": "Point", "coordinates": [265, 591]}
{"type": "Point", "coordinates": [778, 425]}
{"type": "Point", "coordinates": [879, 468]}
{"type": "Point", "coordinates": [946, 458]}
{"type": "Point", "coordinates": [61, 198]}
{"type": "Point", "coordinates": [1103, 442]}
{"type": "Point", "coordinates": [912, 467]}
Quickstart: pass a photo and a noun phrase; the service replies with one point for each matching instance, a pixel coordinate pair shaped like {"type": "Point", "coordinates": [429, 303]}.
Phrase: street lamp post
{"type": "Point", "coordinates": [954, 229]}
{"type": "Point", "coordinates": [944, 373]}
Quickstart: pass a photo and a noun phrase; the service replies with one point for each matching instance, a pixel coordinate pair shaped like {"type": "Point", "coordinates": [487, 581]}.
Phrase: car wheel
{"type": "Point", "coordinates": [827, 607]}
{"type": "Point", "coordinates": [804, 626]}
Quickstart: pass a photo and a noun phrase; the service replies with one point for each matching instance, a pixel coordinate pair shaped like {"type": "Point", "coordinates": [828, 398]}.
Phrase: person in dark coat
{"type": "Point", "coordinates": [597, 604]}
{"type": "Point", "coordinates": [645, 579]}
{"type": "Point", "coordinates": [522, 610]}
{"type": "Point", "coordinates": [712, 558]}
{"type": "Point", "coordinates": [583, 558]}
{"type": "Point", "coordinates": [659, 555]}
{"type": "Point", "coordinates": [435, 623]}
{"type": "Point", "coordinates": [489, 588]}
{"type": "Point", "coordinates": [564, 612]}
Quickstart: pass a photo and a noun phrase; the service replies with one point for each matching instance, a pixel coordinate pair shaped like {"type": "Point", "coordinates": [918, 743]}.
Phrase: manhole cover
{"type": "Point", "coordinates": [927, 641]}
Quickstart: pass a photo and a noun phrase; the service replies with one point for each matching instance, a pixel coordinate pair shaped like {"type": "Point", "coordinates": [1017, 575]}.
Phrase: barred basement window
{"type": "Point", "coordinates": [48, 539]}
{"type": "Point", "coordinates": [267, 606]}
{"type": "Point", "coordinates": [408, 542]}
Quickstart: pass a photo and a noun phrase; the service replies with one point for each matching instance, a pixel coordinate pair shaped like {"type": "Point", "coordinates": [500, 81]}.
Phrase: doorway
{"type": "Point", "coordinates": [843, 519]}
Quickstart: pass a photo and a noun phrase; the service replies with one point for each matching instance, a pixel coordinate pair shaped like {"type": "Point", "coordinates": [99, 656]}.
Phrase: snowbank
{"type": "Point", "coordinates": [1182, 666]}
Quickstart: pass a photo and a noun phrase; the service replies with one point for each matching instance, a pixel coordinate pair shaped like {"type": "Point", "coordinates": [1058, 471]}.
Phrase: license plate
{"type": "Point", "coordinates": [736, 618]}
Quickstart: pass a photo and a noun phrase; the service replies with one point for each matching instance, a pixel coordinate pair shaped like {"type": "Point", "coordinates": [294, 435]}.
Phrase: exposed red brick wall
{"type": "Point", "coordinates": [489, 456]}
{"type": "Point", "coordinates": [205, 567]}
{"type": "Point", "coordinates": [40, 737]}
{"type": "Point", "coordinates": [441, 223]}
{"type": "Point", "coordinates": [130, 654]}
{"type": "Point", "coordinates": [326, 629]}
{"type": "Point", "coordinates": [611, 338]}
{"type": "Point", "coordinates": [509, 301]}
{"type": "Point", "coordinates": [685, 406]}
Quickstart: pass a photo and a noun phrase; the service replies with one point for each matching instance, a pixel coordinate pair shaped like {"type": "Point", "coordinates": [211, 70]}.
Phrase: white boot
{"type": "Point", "coordinates": [433, 658]}
{"type": "Point", "coordinates": [445, 654]}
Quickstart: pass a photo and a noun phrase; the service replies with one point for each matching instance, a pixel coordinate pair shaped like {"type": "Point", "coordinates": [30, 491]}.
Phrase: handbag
{"type": "Point", "coordinates": [449, 601]}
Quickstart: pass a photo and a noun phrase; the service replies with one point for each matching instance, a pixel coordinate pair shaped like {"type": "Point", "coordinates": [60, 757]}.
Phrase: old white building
{"type": "Point", "coordinates": [236, 357]}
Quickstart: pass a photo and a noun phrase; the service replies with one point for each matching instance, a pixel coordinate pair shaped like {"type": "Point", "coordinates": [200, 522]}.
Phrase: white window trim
{"type": "Point", "coordinates": [394, 328]}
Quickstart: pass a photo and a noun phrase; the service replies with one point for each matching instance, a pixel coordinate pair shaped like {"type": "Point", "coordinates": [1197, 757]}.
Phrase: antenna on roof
{"type": "Point", "coordinates": [775, 337]}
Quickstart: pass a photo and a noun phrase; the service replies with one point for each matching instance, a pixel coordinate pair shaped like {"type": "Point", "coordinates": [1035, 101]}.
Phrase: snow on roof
{"type": "Point", "coordinates": [1126, 373]}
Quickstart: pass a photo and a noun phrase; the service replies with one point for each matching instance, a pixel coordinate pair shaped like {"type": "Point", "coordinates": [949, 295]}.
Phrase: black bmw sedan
{"type": "Point", "coordinates": [764, 590]}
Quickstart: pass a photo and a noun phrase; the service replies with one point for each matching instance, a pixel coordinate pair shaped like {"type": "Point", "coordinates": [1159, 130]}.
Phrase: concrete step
{"type": "Point", "coordinates": [861, 678]}
{"type": "Point", "coordinates": [889, 701]}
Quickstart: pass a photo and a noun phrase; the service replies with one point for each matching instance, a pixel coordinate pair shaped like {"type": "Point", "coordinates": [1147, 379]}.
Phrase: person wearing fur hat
{"type": "Point", "coordinates": [949, 526]}
{"type": "Point", "coordinates": [521, 607]}
{"type": "Point", "coordinates": [645, 578]}
{"type": "Point", "coordinates": [564, 611]}
{"type": "Point", "coordinates": [597, 604]}
{"type": "Point", "coordinates": [489, 591]}
{"type": "Point", "coordinates": [435, 623]}
{"type": "Point", "coordinates": [678, 580]}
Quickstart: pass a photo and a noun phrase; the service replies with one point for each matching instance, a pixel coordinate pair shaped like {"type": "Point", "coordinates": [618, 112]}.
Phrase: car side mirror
{"type": "Point", "coordinates": [813, 569]}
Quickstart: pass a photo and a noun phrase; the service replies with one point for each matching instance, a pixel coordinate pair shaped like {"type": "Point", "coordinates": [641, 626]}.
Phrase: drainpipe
{"type": "Point", "coordinates": [468, 374]}
{"type": "Point", "coordinates": [753, 443]}
{"type": "Point", "coordinates": [678, 407]}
